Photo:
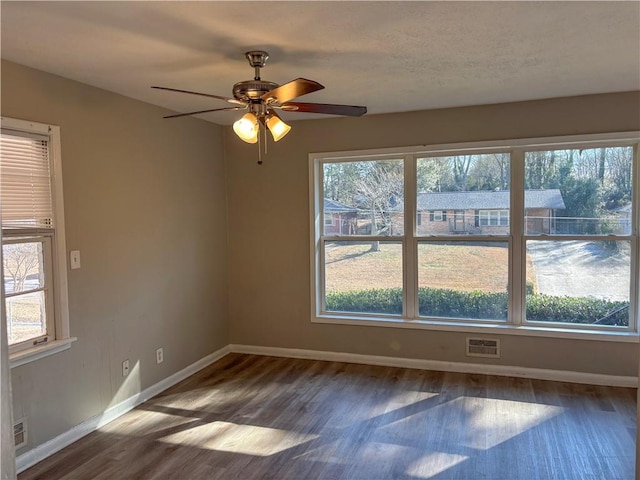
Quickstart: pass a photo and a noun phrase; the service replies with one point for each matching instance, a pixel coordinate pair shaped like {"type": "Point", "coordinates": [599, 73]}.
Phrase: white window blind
{"type": "Point", "coordinates": [25, 180]}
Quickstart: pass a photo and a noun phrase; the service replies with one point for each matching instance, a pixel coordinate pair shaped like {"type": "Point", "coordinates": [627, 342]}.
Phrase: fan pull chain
{"type": "Point", "coordinates": [266, 140]}
{"type": "Point", "coordinates": [263, 141]}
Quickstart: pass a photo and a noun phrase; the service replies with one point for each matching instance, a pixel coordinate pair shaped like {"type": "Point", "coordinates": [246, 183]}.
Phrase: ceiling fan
{"type": "Point", "coordinates": [262, 98]}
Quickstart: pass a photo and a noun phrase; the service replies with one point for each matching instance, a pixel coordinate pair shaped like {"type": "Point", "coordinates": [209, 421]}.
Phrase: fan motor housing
{"type": "Point", "coordinates": [252, 89]}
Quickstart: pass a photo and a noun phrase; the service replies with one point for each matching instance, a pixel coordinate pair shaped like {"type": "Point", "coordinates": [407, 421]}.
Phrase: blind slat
{"type": "Point", "coordinates": [25, 181]}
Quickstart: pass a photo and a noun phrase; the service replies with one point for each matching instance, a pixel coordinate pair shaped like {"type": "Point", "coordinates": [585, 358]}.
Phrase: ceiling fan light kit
{"type": "Point", "coordinates": [247, 128]}
{"type": "Point", "coordinates": [276, 126]}
{"type": "Point", "coordinates": [262, 98]}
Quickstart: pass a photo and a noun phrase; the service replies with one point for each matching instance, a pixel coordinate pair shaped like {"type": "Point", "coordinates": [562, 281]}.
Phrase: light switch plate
{"type": "Point", "coordinates": [74, 256]}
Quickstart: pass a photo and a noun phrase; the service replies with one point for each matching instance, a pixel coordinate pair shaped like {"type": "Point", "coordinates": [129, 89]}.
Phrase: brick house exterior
{"type": "Point", "coordinates": [484, 212]}
{"type": "Point", "coordinates": [339, 219]}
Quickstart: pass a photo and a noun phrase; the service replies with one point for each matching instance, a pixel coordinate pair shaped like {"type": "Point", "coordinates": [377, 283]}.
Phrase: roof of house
{"type": "Point", "coordinates": [498, 200]}
{"type": "Point", "coordinates": [331, 206]}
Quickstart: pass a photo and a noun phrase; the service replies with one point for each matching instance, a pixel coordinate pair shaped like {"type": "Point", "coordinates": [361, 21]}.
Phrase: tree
{"type": "Point", "coordinates": [617, 187]}
{"type": "Point", "coordinates": [461, 165]}
{"type": "Point", "coordinates": [380, 190]}
{"type": "Point", "coordinates": [19, 261]}
{"type": "Point", "coordinates": [430, 172]}
{"type": "Point", "coordinates": [504, 167]}
{"type": "Point", "coordinates": [339, 181]}
{"type": "Point", "coordinates": [489, 172]}
{"type": "Point", "coordinates": [601, 164]}
{"type": "Point", "coordinates": [580, 197]}
{"type": "Point", "coordinates": [542, 170]}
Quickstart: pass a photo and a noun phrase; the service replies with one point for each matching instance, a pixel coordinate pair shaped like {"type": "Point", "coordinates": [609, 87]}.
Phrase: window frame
{"type": "Point", "coordinates": [60, 338]}
{"type": "Point", "coordinates": [328, 238]}
{"type": "Point", "coordinates": [47, 289]}
{"type": "Point", "coordinates": [633, 237]}
{"type": "Point", "coordinates": [517, 255]}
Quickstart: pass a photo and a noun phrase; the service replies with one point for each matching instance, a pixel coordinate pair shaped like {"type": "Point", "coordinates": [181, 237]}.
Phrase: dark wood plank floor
{"type": "Point", "coordinates": [255, 417]}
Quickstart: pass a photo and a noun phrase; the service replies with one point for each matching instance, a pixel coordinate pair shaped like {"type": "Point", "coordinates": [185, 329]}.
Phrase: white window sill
{"type": "Point", "coordinates": [32, 354]}
{"type": "Point", "coordinates": [496, 329]}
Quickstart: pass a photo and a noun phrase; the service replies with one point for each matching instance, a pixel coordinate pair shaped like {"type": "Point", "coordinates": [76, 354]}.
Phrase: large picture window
{"type": "Point", "coordinates": [508, 234]}
{"type": "Point", "coordinates": [582, 268]}
{"type": "Point", "coordinates": [33, 247]}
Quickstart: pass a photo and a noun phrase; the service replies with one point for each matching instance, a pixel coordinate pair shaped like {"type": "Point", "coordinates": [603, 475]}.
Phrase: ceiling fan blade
{"type": "Point", "coordinates": [176, 115]}
{"type": "Point", "coordinates": [290, 90]}
{"type": "Point", "coordinates": [226, 99]}
{"type": "Point", "coordinates": [329, 109]}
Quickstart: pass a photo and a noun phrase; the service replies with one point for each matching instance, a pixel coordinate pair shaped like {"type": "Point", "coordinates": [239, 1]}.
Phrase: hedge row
{"type": "Point", "coordinates": [436, 302]}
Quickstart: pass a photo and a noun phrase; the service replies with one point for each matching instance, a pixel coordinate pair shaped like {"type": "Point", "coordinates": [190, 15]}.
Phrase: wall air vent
{"type": "Point", "coordinates": [483, 347]}
{"type": "Point", "coordinates": [20, 433]}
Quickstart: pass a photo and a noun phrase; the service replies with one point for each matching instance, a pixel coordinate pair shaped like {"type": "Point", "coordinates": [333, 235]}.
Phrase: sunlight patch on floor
{"type": "Point", "coordinates": [500, 420]}
{"type": "Point", "coordinates": [144, 422]}
{"type": "Point", "coordinates": [399, 401]}
{"type": "Point", "coordinates": [408, 397]}
{"type": "Point", "coordinates": [204, 399]}
{"type": "Point", "coordinates": [470, 422]}
{"type": "Point", "coordinates": [433, 464]}
{"type": "Point", "coordinates": [234, 438]}
{"type": "Point", "coordinates": [327, 452]}
{"type": "Point", "coordinates": [386, 458]}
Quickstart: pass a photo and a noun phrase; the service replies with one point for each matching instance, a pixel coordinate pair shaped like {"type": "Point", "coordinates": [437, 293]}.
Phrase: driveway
{"type": "Point", "coordinates": [581, 269]}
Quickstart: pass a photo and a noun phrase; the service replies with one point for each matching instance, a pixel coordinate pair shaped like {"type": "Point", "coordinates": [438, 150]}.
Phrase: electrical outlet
{"type": "Point", "coordinates": [160, 355]}
{"type": "Point", "coordinates": [125, 368]}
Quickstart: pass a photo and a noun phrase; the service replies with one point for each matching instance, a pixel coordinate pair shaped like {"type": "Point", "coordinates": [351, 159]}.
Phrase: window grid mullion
{"type": "Point", "coordinates": [634, 319]}
{"type": "Point", "coordinates": [409, 251]}
{"type": "Point", "coordinates": [517, 251]}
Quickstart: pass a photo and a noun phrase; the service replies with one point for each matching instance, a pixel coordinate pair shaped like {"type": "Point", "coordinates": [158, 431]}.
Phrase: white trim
{"type": "Point", "coordinates": [409, 242]}
{"type": "Point", "coordinates": [39, 453]}
{"type": "Point", "coordinates": [490, 327]}
{"type": "Point", "coordinates": [634, 321]}
{"type": "Point", "coordinates": [58, 248]}
{"type": "Point", "coordinates": [458, 367]}
{"type": "Point", "coordinates": [61, 290]}
{"type": "Point", "coordinates": [517, 254]}
{"type": "Point", "coordinates": [41, 351]}
{"type": "Point", "coordinates": [24, 125]}
{"type": "Point", "coordinates": [316, 208]}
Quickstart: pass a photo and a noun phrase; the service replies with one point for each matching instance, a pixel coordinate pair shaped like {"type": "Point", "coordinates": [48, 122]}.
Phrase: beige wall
{"type": "Point", "coordinates": [145, 203]}
{"type": "Point", "coordinates": [269, 299]}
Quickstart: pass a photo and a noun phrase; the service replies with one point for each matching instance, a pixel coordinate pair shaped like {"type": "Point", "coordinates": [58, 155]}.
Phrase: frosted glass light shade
{"type": "Point", "coordinates": [277, 127]}
{"type": "Point", "coordinates": [247, 128]}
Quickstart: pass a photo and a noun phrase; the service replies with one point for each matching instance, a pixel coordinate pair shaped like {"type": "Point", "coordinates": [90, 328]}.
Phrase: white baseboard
{"type": "Point", "coordinates": [39, 453]}
{"type": "Point", "coordinates": [484, 369]}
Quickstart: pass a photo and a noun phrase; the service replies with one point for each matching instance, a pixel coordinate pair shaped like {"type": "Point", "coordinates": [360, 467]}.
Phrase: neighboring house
{"type": "Point", "coordinates": [339, 219]}
{"type": "Point", "coordinates": [485, 212]}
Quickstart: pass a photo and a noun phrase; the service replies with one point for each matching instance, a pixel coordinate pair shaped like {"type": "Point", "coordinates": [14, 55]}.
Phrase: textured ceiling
{"type": "Point", "coordinates": [389, 56]}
